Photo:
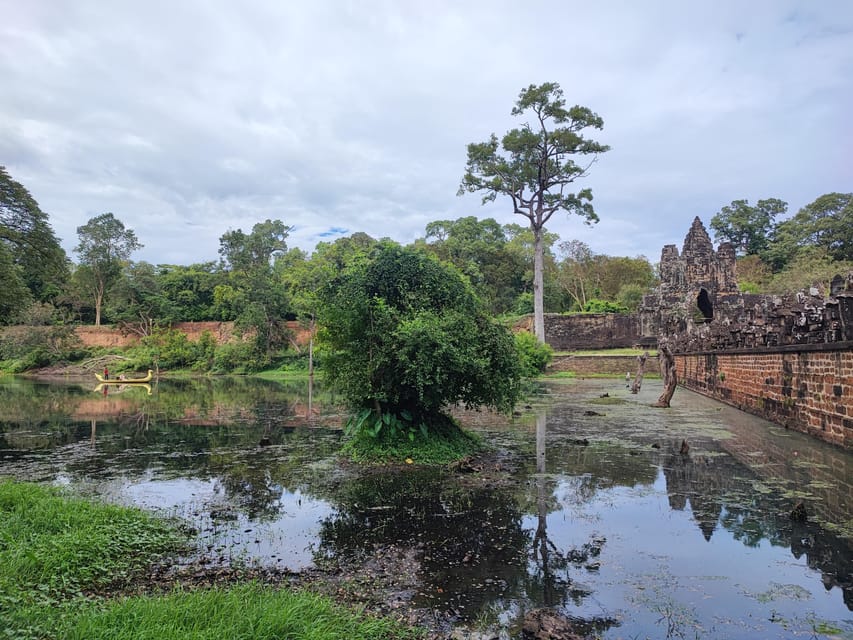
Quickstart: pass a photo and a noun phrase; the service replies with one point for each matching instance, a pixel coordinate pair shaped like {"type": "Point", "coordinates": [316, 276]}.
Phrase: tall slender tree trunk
{"type": "Point", "coordinates": [99, 301]}
{"type": "Point", "coordinates": [538, 297]}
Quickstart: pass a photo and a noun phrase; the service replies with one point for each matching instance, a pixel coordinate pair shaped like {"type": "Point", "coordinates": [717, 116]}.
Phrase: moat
{"type": "Point", "coordinates": [590, 504]}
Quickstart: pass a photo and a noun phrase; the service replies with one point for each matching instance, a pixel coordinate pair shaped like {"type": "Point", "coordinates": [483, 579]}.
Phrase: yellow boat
{"type": "Point", "coordinates": [147, 378]}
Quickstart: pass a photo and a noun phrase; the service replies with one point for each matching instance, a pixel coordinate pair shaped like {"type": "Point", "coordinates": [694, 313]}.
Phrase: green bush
{"type": "Point", "coordinates": [27, 348]}
{"type": "Point", "coordinates": [534, 355]}
{"type": "Point", "coordinates": [234, 357]}
{"type": "Point", "coordinates": [205, 352]}
{"type": "Point", "coordinates": [597, 305]}
{"type": "Point", "coordinates": [523, 304]}
{"type": "Point", "coordinates": [405, 335]}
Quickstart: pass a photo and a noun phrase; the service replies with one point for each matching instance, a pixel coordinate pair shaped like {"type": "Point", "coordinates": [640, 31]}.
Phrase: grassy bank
{"type": "Point", "coordinates": [61, 558]}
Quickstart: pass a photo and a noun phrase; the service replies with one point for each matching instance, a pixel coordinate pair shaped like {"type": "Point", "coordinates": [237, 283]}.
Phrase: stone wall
{"type": "Point", "coordinates": [591, 331]}
{"type": "Point", "coordinates": [787, 358]}
{"type": "Point", "coordinates": [806, 388]}
{"type": "Point", "coordinates": [611, 365]}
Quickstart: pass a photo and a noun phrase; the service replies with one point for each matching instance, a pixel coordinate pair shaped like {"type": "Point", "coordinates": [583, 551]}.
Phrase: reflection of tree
{"type": "Point", "coordinates": [469, 542]}
{"type": "Point", "coordinates": [550, 583]}
{"type": "Point", "coordinates": [544, 553]}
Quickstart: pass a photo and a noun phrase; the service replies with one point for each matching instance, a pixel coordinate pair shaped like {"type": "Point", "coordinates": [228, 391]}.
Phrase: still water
{"type": "Point", "coordinates": [590, 507]}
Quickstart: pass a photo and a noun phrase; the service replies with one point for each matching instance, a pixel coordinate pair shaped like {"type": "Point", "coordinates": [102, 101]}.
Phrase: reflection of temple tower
{"type": "Point", "coordinates": [701, 481]}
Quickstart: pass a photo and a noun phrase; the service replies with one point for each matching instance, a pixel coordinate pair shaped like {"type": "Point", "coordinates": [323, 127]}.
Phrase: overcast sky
{"type": "Point", "coordinates": [188, 118]}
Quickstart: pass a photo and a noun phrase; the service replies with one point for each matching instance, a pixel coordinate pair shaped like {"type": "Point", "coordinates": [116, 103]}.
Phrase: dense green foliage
{"type": "Point", "coordinates": [252, 295]}
{"type": "Point", "coordinates": [105, 245]}
{"type": "Point", "coordinates": [33, 266]}
{"type": "Point", "coordinates": [748, 227]}
{"type": "Point", "coordinates": [405, 336]}
{"type": "Point", "coordinates": [534, 355]}
{"type": "Point", "coordinates": [805, 250]}
{"type": "Point", "coordinates": [584, 275]}
{"type": "Point", "coordinates": [534, 166]}
{"type": "Point", "coordinates": [260, 284]}
{"type": "Point", "coordinates": [29, 347]}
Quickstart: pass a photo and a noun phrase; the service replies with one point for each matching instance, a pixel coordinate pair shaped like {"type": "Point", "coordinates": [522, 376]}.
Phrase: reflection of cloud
{"type": "Point", "coordinates": [207, 114]}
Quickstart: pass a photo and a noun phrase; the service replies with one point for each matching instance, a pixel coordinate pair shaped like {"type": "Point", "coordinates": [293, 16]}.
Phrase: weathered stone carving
{"type": "Point", "coordinates": [698, 306]}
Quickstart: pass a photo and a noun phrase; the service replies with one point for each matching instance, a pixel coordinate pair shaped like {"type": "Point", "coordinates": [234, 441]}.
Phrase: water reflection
{"type": "Point", "coordinates": [599, 516]}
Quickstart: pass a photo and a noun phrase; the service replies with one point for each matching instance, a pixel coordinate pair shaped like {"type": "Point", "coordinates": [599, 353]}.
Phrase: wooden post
{"type": "Point", "coordinates": [667, 372]}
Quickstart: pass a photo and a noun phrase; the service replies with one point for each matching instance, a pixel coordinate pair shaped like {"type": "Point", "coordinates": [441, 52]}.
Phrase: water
{"type": "Point", "coordinates": [591, 508]}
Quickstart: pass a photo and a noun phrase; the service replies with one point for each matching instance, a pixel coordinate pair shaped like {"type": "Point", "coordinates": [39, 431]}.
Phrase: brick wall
{"type": "Point", "coordinates": [808, 388]}
{"type": "Point", "coordinates": [109, 336]}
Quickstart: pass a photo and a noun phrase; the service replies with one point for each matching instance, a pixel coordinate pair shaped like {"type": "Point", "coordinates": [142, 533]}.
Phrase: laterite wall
{"type": "Point", "coordinates": [610, 365]}
{"type": "Point", "coordinates": [808, 388]}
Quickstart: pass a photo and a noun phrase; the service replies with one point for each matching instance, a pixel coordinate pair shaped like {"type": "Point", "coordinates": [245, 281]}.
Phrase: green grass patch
{"type": "Point", "coordinates": [245, 611]}
{"type": "Point", "coordinates": [54, 548]}
{"type": "Point", "coordinates": [442, 444]}
{"type": "Point", "coordinates": [626, 351]}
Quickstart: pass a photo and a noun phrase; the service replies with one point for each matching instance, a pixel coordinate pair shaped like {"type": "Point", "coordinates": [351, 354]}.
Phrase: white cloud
{"type": "Point", "coordinates": [187, 119]}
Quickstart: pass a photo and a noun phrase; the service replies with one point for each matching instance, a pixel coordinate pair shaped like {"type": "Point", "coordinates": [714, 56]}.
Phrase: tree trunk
{"type": "Point", "coordinates": [99, 300]}
{"type": "Point", "coordinates": [538, 298]}
{"type": "Point", "coordinates": [641, 370]}
{"type": "Point", "coordinates": [667, 372]}
{"type": "Point", "coordinates": [311, 350]}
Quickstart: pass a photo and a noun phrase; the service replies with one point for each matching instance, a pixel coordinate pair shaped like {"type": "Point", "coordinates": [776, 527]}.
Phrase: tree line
{"type": "Point", "coordinates": [259, 282]}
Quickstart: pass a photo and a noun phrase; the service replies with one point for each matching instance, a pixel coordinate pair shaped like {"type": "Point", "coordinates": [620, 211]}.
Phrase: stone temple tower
{"type": "Point", "coordinates": [692, 283]}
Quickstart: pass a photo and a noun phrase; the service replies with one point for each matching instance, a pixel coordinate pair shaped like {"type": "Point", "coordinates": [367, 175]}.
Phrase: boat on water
{"type": "Point", "coordinates": [119, 380]}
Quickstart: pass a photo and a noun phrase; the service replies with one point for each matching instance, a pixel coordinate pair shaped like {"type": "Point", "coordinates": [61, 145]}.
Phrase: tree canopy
{"type": "Point", "coordinates": [406, 336]}
{"type": "Point", "coordinates": [30, 241]}
{"type": "Point", "coordinates": [105, 245]}
{"type": "Point", "coordinates": [252, 295]}
{"type": "Point", "coordinates": [534, 166]}
{"type": "Point", "coordinates": [748, 227]}
{"type": "Point", "coordinates": [825, 224]}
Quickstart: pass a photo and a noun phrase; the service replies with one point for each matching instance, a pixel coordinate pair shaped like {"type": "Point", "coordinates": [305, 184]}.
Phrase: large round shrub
{"type": "Point", "coordinates": [406, 337]}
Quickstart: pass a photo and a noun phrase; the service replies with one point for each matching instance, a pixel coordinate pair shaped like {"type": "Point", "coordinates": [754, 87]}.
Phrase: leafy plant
{"type": "Point", "coordinates": [405, 335]}
{"type": "Point", "coordinates": [534, 355]}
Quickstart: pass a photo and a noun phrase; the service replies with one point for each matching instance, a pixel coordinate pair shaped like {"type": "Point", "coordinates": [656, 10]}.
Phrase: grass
{"type": "Point", "coordinates": [248, 611]}
{"type": "Point", "coordinates": [60, 556]}
{"type": "Point", "coordinates": [625, 351]}
{"type": "Point", "coordinates": [445, 443]}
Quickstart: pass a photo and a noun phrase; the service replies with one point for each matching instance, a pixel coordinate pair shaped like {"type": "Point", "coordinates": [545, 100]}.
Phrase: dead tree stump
{"type": "Point", "coordinates": [667, 372]}
{"type": "Point", "coordinates": [641, 370]}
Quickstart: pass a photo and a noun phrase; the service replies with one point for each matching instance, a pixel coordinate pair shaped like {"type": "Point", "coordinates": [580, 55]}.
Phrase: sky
{"type": "Point", "coordinates": [190, 118]}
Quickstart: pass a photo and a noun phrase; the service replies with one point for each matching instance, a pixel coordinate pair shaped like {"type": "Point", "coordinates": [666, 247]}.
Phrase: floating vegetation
{"type": "Point", "coordinates": [781, 592]}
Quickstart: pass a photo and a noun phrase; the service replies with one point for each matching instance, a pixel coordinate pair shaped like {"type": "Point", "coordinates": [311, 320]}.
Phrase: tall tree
{"type": "Point", "coordinates": [825, 224]}
{"type": "Point", "coordinates": [481, 250]}
{"type": "Point", "coordinates": [534, 166]}
{"type": "Point", "coordinates": [138, 303]}
{"type": "Point", "coordinates": [259, 302]}
{"type": "Point", "coordinates": [748, 227]}
{"type": "Point", "coordinates": [105, 244]}
{"type": "Point", "coordinates": [29, 238]}
{"type": "Point", "coordinates": [14, 295]}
